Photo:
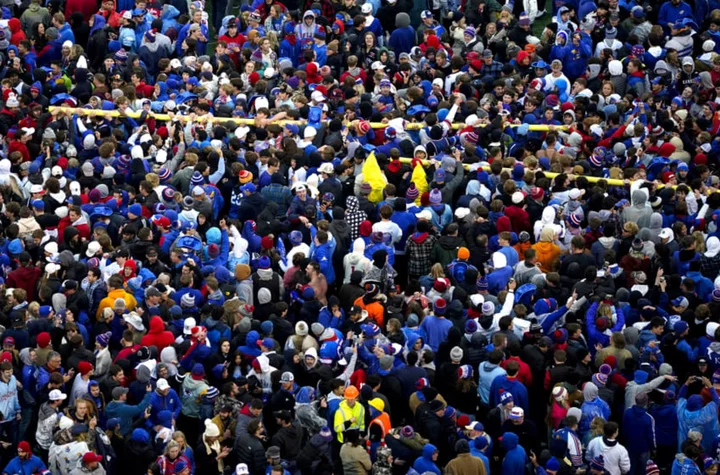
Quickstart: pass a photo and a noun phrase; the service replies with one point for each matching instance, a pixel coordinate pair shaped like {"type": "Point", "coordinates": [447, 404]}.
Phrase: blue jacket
{"type": "Point", "coordinates": [126, 413]}
{"type": "Point", "coordinates": [436, 329]}
{"type": "Point", "coordinates": [481, 455]}
{"type": "Point", "coordinates": [407, 222]}
{"type": "Point", "coordinates": [425, 463]}
{"type": "Point", "coordinates": [576, 57]}
{"type": "Point", "coordinates": [323, 255]}
{"type": "Point", "coordinates": [590, 410]}
{"type": "Point", "coordinates": [158, 403]}
{"type": "Point", "coordinates": [666, 424]}
{"type": "Point", "coordinates": [691, 352]}
{"type": "Point", "coordinates": [515, 456]}
{"type": "Point", "coordinates": [639, 430]}
{"type": "Point", "coordinates": [686, 467]}
{"type": "Point", "coordinates": [503, 384]}
{"type": "Point", "coordinates": [646, 336]}
{"type": "Point", "coordinates": [328, 320]}
{"type": "Point", "coordinates": [9, 403]}
{"type": "Point", "coordinates": [402, 40]}
{"type": "Point", "coordinates": [487, 373]}
{"type": "Point", "coordinates": [498, 279]}
{"type": "Point", "coordinates": [597, 336]}
{"type": "Point", "coordinates": [25, 467]}
{"type": "Point", "coordinates": [703, 286]}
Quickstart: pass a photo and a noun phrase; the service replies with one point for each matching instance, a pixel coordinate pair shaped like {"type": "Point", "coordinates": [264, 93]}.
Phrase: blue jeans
{"type": "Point", "coordinates": [638, 461]}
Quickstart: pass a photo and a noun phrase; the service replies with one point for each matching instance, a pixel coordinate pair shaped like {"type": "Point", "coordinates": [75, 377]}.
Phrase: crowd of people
{"type": "Point", "coordinates": [351, 237]}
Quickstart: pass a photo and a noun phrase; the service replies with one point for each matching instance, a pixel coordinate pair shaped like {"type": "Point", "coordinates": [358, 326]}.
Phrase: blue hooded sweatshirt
{"type": "Point", "coordinates": [503, 384]}
{"type": "Point", "coordinates": [576, 57]}
{"type": "Point", "coordinates": [251, 348]}
{"type": "Point", "coordinates": [515, 457]}
{"type": "Point", "coordinates": [425, 463]}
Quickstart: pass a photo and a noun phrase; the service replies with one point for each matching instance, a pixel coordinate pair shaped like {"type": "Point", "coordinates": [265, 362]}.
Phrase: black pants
{"type": "Point", "coordinates": [190, 427]}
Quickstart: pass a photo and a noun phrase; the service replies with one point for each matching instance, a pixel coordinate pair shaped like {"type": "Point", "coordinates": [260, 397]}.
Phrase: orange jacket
{"type": "Point", "coordinates": [375, 310]}
{"type": "Point", "coordinates": [547, 254]}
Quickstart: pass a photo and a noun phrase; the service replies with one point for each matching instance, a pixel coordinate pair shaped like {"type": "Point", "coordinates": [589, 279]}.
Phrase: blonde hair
{"type": "Point", "coordinates": [153, 179]}
{"type": "Point", "coordinates": [437, 271]}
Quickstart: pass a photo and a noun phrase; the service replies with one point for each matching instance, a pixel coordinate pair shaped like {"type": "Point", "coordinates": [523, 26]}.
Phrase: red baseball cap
{"type": "Point", "coordinates": [162, 221]}
{"type": "Point", "coordinates": [91, 457]}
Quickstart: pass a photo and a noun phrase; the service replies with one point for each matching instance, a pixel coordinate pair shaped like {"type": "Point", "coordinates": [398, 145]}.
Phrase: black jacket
{"type": "Point", "coordinates": [250, 451]}
{"type": "Point", "coordinates": [290, 441]}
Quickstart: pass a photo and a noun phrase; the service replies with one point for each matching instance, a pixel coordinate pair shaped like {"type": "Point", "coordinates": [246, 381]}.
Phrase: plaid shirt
{"type": "Point", "coordinates": [279, 194]}
{"type": "Point", "coordinates": [419, 255]}
{"type": "Point", "coordinates": [493, 70]}
{"type": "Point", "coordinates": [710, 266]}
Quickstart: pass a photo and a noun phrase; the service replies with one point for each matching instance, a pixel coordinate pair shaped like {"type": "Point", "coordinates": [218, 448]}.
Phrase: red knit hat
{"type": "Point", "coordinates": [25, 447]}
{"type": "Point", "coordinates": [267, 243]}
{"type": "Point", "coordinates": [84, 367]}
{"type": "Point", "coordinates": [43, 340]}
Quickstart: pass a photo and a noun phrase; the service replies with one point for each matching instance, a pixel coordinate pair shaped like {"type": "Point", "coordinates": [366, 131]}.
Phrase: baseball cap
{"type": "Point", "coordinates": [57, 395]}
{"type": "Point", "coordinates": [287, 377]}
{"type": "Point", "coordinates": [162, 384]}
{"type": "Point", "coordinates": [91, 457]}
{"type": "Point", "coordinates": [477, 425]}
{"type": "Point", "coordinates": [517, 413]}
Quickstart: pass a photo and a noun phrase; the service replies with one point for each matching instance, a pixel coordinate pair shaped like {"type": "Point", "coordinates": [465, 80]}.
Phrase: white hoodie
{"type": "Point", "coordinates": [356, 260]}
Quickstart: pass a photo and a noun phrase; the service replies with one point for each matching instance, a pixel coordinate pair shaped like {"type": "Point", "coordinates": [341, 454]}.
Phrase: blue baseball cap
{"type": "Point", "coordinates": [248, 187]}
{"type": "Point", "coordinates": [267, 343]}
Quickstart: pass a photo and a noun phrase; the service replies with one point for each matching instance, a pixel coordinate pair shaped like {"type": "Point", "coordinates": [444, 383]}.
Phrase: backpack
{"type": "Point", "coordinates": [458, 269]}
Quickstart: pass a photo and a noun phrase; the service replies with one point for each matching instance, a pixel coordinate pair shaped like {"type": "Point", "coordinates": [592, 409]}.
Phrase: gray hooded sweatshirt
{"type": "Point", "coordinates": [638, 212]}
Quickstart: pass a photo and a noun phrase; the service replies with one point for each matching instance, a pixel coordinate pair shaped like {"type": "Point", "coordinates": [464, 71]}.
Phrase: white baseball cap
{"type": "Point", "coordinates": [57, 395]}
{"type": "Point", "coordinates": [424, 214]}
{"type": "Point", "coordinates": [666, 233]}
{"type": "Point", "coordinates": [576, 193]}
{"type": "Point", "coordinates": [162, 384]}
{"type": "Point", "coordinates": [317, 96]}
{"type": "Point", "coordinates": [93, 249]}
{"type": "Point", "coordinates": [242, 469]}
{"type": "Point", "coordinates": [189, 325]}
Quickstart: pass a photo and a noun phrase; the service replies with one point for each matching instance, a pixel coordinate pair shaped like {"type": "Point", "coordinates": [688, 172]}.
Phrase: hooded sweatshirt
{"type": "Point", "coordinates": [487, 373]}
{"type": "Point", "coordinates": [638, 212]}
{"type": "Point", "coordinates": [515, 457]}
{"type": "Point", "coordinates": [425, 463]}
{"type": "Point", "coordinates": [402, 39]}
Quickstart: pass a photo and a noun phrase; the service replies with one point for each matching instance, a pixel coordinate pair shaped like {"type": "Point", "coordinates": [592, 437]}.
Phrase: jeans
{"type": "Point", "coordinates": [638, 461]}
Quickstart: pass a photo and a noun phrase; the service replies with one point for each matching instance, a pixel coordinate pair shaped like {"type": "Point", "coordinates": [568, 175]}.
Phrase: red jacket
{"type": "Point", "coordinates": [126, 353]}
{"type": "Point", "coordinates": [519, 218]}
{"type": "Point", "coordinates": [86, 8]}
{"type": "Point", "coordinates": [24, 278]}
{"type": "Point", "coordinates": [18, 146]}
{"type": "Point", "coordinates": [524, 374]}
{"type": "Point", "coordinates": [17, 33]}
{"type": "Point", "coordinates": [157, 335]}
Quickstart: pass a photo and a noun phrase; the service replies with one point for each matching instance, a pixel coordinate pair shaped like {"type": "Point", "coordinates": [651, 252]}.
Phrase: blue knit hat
{"type": "Point", "coordinates": [135, 209]}
{"type": "Point", "coordinates": [140, 435]}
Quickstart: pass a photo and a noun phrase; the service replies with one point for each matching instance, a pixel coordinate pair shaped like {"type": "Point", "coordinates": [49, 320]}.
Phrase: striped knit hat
{"type": "Point", "coordinates": [165, 175]}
